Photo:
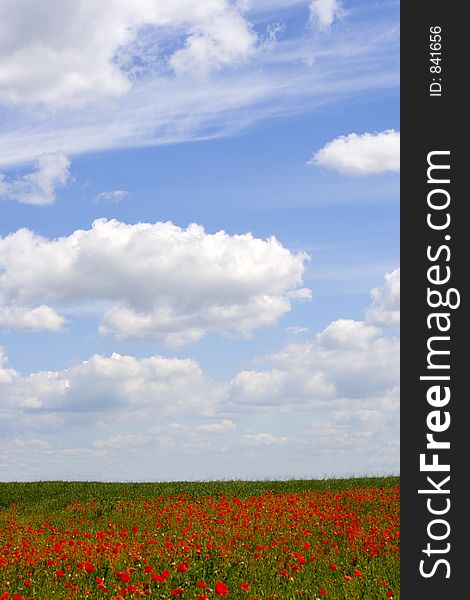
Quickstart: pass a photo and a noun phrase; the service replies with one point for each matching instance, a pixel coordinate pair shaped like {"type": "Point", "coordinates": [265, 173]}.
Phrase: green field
{"type": "Point", "coordinates": [335, 538]}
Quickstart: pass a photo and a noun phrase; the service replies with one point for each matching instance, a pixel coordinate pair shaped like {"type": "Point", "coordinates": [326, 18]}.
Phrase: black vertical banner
{"type": "Point", "coordinates": [434, 318]}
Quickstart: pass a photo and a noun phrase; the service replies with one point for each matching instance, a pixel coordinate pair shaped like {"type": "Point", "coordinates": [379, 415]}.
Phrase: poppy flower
{"type": "Point", "coordinates": [181, 568]}
{"type": "Point", "coordinates": [201, 584]}
{"type": "Point", "coordinates": [390, 594]}
{"type": "Point", "coordinates": [221, 589]}
{"type": "Point", "coordinates": [89, 568]}
{"type": "Point", "coordinates": [177, 591]}
{"type": "Point", "coordinates": [323, 592]}
{"type": "Point", "coordinates": [245, 586]}
{"type": "Point", "coordinates": [357, 572]}
{"type": "Point", "coordinates": [333, 566]}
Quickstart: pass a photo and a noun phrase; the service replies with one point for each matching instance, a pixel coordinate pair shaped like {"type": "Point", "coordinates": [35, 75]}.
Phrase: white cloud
{"type": "Point", "coordinates": [151, 387]}
{"type": "Point", "coordinates": [324, 12]}
{"type": "Point", "coordinates": [264, 439]}
{"type": "Point", "coordinates": [296, 330]}
{"type": "Point", "coordinates": [348, 359]}
{"type": "Point", "coordinates": [39, 186]}
{"type": "Point", "coordinates": [114, 196]}
{"type": "Point", "coordinates": [159, 281]}
{"type": "Point", "coordinates": [35, 319]}
{"type": "Point", "coordinates": [224, 40]}
{"type": "Point", "coordinates": [224, 425]}
{"type": "Point", "coordinates": [385, 309]}
{"type": "Point", "coordinates": [361, 154]}
{"type": "Point", "coordinates": [161, 108]}
{"type": "Point", "coordinates": [334, 400]}
{"type": "Point", "coordinates": [124, 441]}
{"type": "Point", "coordinates": [73, 53]}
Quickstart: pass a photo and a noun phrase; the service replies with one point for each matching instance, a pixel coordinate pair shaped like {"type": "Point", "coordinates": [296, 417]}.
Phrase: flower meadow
{"type": "Point", "coordinates": [200, 541]}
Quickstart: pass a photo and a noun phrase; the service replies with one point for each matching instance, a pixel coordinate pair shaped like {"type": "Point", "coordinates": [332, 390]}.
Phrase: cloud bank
{"type": "Point", "coordinates": [333, 399]}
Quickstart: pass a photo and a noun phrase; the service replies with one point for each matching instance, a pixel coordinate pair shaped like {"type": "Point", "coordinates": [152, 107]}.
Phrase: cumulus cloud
{"type": "Point", "coordinates": [385, 309]}
{"type": "Point", "coordinates": [333, 399]}
{"type": "Point", "coordinates": [361, 154]}
{"type": "Point", "coordinates": [324, 12]}
{"type": "Point", "coordinates": [38, 187]}
{"type": "Point", "coordinates": [224, 40]}
{"type": "Point", "coordinates": [85, 51]}
{"type": "Point", "coordinates": [348, 359]}
{"type": "Point", "coordinates": [154, 386]}
{"type": "Point", "coordinates": [35, 319]}
{"type": "Point", "coordinates": [159, 281]}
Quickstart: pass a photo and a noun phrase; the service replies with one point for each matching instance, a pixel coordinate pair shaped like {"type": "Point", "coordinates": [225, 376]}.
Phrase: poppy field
{"type": "Point", "coordinates": [244, 540]}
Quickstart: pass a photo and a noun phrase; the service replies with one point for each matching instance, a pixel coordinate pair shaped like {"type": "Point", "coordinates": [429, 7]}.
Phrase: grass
{"type": "Point", "coordinates": [332, 538]}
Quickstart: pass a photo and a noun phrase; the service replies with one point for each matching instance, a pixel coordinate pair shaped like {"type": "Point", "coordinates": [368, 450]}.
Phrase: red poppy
{"type": "Point", "coordinates": [333, 566]}
{"type": "Point", "coordinates": [124, 577]}
{"type": "Point", "coordinates": [89, 568]}
{"type": "Point", "coordinates": [27, 582]}
{"type": "Point", "coordinates": [245, 586]}
{"type": "Point", "coordinates": [221, 589]}
{"type": "Point", "coordinates": [177, 591]}
{"type": "Point", "coordinates": [60, 574]}
{"type": "Point", "coordinates": [181, 568]}
{"type": "Point", "coordinates": [357, 572]}
{"type": "Point", "coordinates": [390, 594]}
{"type": "Point", "coordinates": [323, 592]}
{"type": "Point", "coordinates": [201, 584]}
{"type": "Point", "coordinates": [296, 568]}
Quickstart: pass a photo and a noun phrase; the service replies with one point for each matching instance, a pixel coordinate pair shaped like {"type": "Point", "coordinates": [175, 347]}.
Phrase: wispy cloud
{"type": "Point", "coordinates": [293, 75]}
{"type": "Point", "coordinates": [52, 171]}
{"type": "Point", "coordinates": [114, 196]}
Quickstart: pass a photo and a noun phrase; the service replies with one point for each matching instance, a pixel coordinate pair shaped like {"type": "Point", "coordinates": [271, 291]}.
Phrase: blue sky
{"type": "Point", "coordinates": [168, 350]}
